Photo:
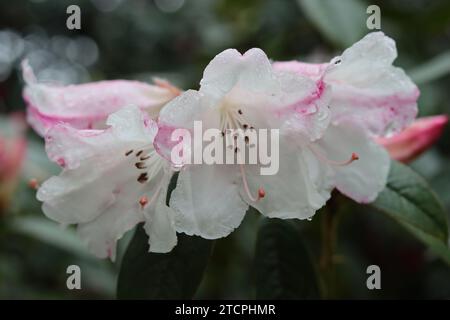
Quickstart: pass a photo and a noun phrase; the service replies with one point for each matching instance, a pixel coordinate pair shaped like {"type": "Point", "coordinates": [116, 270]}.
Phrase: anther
{"type": "Point", "coordinates": [139, 153]}
{"type": "Point", "coordinates": [143, 201]}
{"type": "Point", "coordinates": [143, 177]}
{"type": "Point", "coordinates": [140, 165]}
{"type": "Point", "coordinates": [128, 153]}
{"type": "Point", "coordinates": [261, 193]}
{"type": "Point", "coordinates": [144, 158]}
{"type": "Point", "coordinates": [240, 111]}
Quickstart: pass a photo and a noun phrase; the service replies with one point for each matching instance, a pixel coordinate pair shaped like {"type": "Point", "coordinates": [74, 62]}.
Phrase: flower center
{"type": "Point", "coordinates": [149, 164]}
{"type": "Point", "coordinates": [232, 118]}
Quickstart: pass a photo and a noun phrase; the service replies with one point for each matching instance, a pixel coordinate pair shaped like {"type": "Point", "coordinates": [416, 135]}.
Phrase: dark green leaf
{"type": "Point", "coordinates": [408, 199]}
{"type": "Point", "coordinates": [173, 275]}
{"type": "Point", "coordinates": [283, 266]}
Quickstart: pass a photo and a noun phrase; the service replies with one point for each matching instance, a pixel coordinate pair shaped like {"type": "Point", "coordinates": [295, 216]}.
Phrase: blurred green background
{"type": "Point", "coordinates": [175, 39]}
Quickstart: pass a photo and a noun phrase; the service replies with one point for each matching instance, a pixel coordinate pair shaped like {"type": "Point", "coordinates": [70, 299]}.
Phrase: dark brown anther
{"type": "Point", "coordinates": [128, 153]}
{"type": "Point", "coordinates": [240, 111]}
{"type": "Point", "coordinates": [246, 139]}
{"type": "Point", "coordinates": [144, 158]}
{"type": "Point", "coordinates": [140, 165]}
{"type": "Point", "coordinates": [236, 149]}
{"type": "Point", "coordinates": [245, 126]}
{"type": "Point", "coordinates": [139, 153]}
{"type": "Point", "coordinates": [143, 177]}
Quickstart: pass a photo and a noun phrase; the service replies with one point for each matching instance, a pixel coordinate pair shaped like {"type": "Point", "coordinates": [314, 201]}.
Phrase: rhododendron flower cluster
{"type": "Point", "coordinates": [113, 142]}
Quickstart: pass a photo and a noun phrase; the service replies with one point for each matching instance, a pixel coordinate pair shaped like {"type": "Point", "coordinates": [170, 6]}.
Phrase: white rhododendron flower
{"type": "Point", "coordinates": [87, 106]}
{"type": "Point", "coordinates": [370, 97]}
{"type": "Point", "coordinates": [243, 92]}
{"type": "Point", "coordinates": [112, 179]}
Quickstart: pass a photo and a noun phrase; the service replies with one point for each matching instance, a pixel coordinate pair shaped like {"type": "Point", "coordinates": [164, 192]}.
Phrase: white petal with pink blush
{"type": "Point", "coordinates": [87, 106]}
{"type": "Point", "coordinates": [366, 87]}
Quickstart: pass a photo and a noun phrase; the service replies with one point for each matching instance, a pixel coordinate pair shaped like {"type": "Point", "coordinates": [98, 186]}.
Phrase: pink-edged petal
{"type": "Point", "coordinates": [365, 85]}
{"type": "Point", "coordinates": [415, 139]}
{"type": "Point", "coordinates": [369, 89]}
{"type": "Point", "coordinates": [87, 106]}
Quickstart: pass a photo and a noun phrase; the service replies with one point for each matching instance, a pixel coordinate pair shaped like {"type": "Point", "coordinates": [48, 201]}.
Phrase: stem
{"type": "Point", "coordinates": [329, 237]}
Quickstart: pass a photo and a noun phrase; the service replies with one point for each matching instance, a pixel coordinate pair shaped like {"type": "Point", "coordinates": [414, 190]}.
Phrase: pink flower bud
{"type": "Point", "coordinates": [415, 139]}
{"type": "Point", "coordinates": [12, 153]}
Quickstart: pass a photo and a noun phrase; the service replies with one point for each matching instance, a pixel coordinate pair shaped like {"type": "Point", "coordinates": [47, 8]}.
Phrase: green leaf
{"type": "Point", "coordinates": [343, 22]}
{"type": "Point", "coordinates": [173, 275]}
{"type": "Point", "coordinates": [409, 200]}
{"type": "Point", "coordinates": [283, 266]}
{"type": "Point", "coordinates": [434, 69]}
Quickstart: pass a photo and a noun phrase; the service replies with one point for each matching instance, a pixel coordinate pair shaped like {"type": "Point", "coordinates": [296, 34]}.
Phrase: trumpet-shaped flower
{"type": "Point", "coordinates": [244, 92]}
{"type": "Point", "coordinates": [112, 179]}
{"type": "Point", "coordinates": [87, 106]}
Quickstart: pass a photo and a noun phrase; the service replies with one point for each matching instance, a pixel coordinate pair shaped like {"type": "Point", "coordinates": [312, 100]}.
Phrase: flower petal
{"type": "Point", "coordinates": [368, 88]}
{"type": "Point", "coordinates": [160, 223]}
{"type": "Point", "coordinates": [297, 190]}
{"type": "Point", "coordinates": [207, 201]}
{"type": "Point", "coordinates": [364, 178]}
{"type": "Point", "coordinates": [87, 106]}
{"type": "Point", "coordinates": [250, 71]}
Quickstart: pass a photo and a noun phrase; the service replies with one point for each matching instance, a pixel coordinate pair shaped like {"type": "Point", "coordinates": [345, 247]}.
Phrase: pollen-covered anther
{"type": "Point", "coordinates": [143, 201]}
{"type": "Point", "coordinates": [33, 184]}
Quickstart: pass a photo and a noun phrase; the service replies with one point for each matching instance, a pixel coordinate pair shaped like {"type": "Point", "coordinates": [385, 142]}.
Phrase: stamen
{"type": "Point", "coordinates": [139, 153]}
{"type": "Point", "coordinates": [144, 158]}
{"type": "Point", "coordinates": [143, 177]}
{"type": "Point", "coordinates": [261, 192]}
{"type": "Point", "coordinates": [240, 111]}
{"type": "Point", "coordinates": [323, 158]}
{"type": "Point", "coordinates": [140, 165]}
{"type": "Point", "coordinates": [128, 153]}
